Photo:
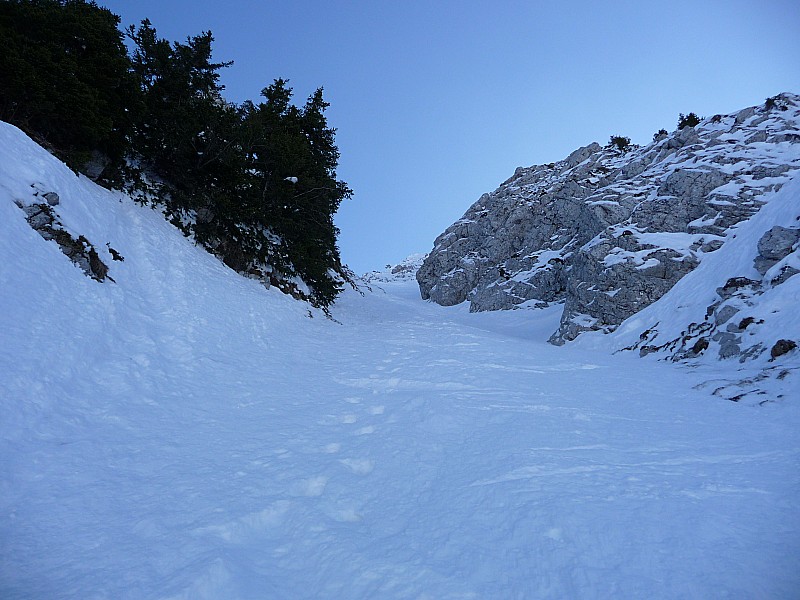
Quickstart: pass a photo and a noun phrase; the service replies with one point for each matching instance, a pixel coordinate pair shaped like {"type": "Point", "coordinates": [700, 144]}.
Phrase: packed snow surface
{"type": "Point", "coordinates": [181, 432]}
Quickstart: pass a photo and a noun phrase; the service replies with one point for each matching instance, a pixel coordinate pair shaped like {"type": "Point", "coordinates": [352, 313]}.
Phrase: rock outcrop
{"type": "Point", "coordinates": [609, 231]}
{"type": "Point", "coordinates": [41, 216]}
{"type": "Point", "coordinates": [739, 305]}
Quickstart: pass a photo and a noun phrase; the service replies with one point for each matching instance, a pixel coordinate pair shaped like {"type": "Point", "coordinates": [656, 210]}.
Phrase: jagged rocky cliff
{"type": "Point", "coordinates": [739, 304]}
{"type": "Point", "coordinates": [609, 231]}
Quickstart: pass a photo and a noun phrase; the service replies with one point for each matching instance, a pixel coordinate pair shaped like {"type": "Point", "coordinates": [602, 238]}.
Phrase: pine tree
{"type": "Point", "coordinates": [690, 120]}
{"type": "Point", "coordinates": [294, 157]}
{"type": "Point", "coordinates": [64, 77]}
{"type": "Point", "coordinates": [185, 129]}
{"type": "Point", "coordinates": [255, 184]}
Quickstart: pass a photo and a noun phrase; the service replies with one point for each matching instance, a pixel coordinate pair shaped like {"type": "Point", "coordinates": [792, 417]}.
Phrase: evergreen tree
{"type": "Point", "coordinates": [186, 129]}
{"type": "Point", "coordinates": [255, 184]}
{"type": "Point", "coordinates": [690, 120]}
{"type": "Point", "coordinates": [294, 158]}
{"type": "Point", "coordinates": [64, 77]}
{"type": "Point", "coordinates": [620, 142]}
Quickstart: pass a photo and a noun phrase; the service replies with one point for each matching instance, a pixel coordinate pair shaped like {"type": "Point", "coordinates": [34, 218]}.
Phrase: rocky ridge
{"type": "Point", "coordinates": [405, 270]}
{"type": "Point", "coordinates": [608, 231]}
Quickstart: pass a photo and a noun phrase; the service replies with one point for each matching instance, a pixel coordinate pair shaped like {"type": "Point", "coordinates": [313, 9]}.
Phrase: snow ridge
{"type": "Point", "coordinates": [405, 270]}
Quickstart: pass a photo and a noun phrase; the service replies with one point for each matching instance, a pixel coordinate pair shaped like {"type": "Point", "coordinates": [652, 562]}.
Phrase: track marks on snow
{"type": "Point", "coordinates": [359, 466]}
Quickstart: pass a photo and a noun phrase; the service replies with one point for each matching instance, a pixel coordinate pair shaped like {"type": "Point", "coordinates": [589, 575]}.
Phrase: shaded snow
{"type": "Point", "coordinates": [185, 433]}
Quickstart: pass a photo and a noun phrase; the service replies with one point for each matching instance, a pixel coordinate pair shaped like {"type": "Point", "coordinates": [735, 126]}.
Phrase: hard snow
{"type": "Point", "coordinates": [182, 432]}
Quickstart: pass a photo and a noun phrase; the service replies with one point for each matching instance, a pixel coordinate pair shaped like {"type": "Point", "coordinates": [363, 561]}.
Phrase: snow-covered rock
{"type": "Point", "coordinates": [739, 303]}
{"type": "Point", "coordinates": [405, 270]}
{"type": "Point", "coordinates": [608, 232]}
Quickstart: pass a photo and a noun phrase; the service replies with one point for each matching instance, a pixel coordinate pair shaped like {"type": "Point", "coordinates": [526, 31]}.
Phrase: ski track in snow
{"type": "Point", "coordinates": [186, 434]}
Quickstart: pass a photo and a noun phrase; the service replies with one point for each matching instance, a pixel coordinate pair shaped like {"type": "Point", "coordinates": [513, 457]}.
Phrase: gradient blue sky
{"type": "Point", "coordinates": [436, 103]}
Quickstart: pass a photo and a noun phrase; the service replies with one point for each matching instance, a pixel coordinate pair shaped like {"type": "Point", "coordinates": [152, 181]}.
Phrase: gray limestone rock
{"type": "Point", "coordinates": [608, 233]}
{"type": "Point", "coordinates": [729, 345]}
{"type": "Point", "coordinates": [775, 245]}
{"type": "Point", "coordinates": [43, 220]}
{"type": "Point", "coordinates": [785, 273]}
{"type": "Point", "coordinates": [734, 285]}
{"type": "Point", "coordinates": [724, 314]}
{"type": "Point", "coordinates": [745, 114]}
{"type": "Point", "coordinates": [205, 215]}
{"type": "Point", "coordinates": [94, 167]}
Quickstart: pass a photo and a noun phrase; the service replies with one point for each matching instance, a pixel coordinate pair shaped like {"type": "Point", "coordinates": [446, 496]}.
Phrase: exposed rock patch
{"type": "Point", "coordinates": [728, 309]}
{"type": "Point", "coordinates": [782, 347]}
{"type": "Point", "coordinates": [774, 246]}
{"type": "Point", "coordinates": [80, 251]}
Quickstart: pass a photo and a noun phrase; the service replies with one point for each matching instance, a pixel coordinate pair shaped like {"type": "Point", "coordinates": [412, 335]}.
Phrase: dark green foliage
{"type": "Point", "coordinates": [255, 184]}
{"type": "Point", "coordinates": [690, 120]}
{"type": "Point", "coordinates": [659, 134]}
{"type": "Point", "coordinates": [619, 142]}
{"type": "Point", "coordinates": [775, 102]}
{"type": "Point", "coordinates": [186, 136]}
{"type": "Point", "coordinates": [186, 128]}
{"type": "Point", "coordinates": [230, 171]}
{"type": "Point", "coordinates": [64, 77]}
{"type": "Point", "coordinates": [292, 158]}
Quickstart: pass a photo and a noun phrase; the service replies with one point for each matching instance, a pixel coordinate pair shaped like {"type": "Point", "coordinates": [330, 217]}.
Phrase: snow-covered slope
{"type": "Point", "coordinates": [178, 431]}
{"type": "Point", "coordinates": [728, 307]}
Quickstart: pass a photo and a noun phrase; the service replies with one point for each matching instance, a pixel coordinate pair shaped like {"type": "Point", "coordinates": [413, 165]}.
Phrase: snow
{"type": "Point", "coordinates": [704, 221]}
{"type": "Point", "coordinates": [677, 241]}
{"type": "Point", "coordinates": [185, 433]}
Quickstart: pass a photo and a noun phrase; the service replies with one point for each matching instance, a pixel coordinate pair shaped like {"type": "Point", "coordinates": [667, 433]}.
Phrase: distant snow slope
{"type": "Point", "coordinates": [406, 270]}
{"type": "Point", "coordinates": [181, 432]}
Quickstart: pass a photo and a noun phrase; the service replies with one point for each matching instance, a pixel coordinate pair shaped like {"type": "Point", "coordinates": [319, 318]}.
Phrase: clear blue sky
{"type": "Point", "coordinates": [438, 102]}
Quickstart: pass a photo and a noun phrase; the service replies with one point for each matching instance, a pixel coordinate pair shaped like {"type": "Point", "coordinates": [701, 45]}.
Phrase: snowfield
{"type": "Point", "coordinates": [183, 433]}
